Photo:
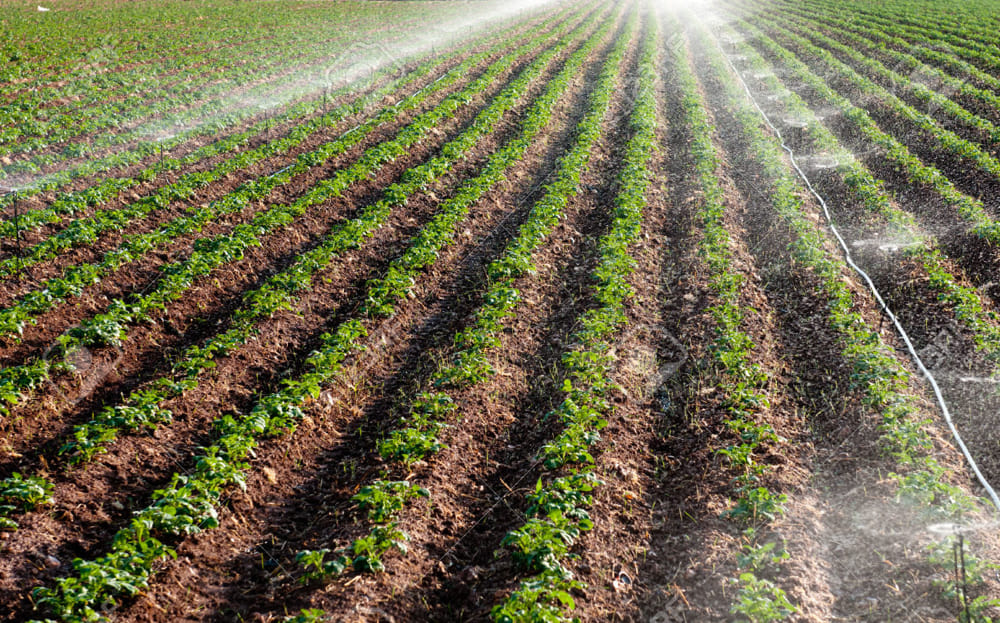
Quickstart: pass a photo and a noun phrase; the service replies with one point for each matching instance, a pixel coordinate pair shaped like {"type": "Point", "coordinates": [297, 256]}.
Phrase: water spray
{"type": "Point", "coordinates": [904, 336]}
{"type": "Point", "coordinates": [958, 532]}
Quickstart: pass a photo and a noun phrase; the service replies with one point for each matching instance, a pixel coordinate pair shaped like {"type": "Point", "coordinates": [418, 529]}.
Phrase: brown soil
{"type": "Point", "coordinates": [143, 275]}
{"type": "Point", "coordinates": [660, 549]}
{"type": "Point", "coordinates": [274, 524]}
{"type": "Point", "coordinates": [234, 388]}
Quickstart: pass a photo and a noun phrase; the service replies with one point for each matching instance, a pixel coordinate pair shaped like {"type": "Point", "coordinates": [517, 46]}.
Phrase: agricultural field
{"type": "Point", "coordinates": [480, 311]}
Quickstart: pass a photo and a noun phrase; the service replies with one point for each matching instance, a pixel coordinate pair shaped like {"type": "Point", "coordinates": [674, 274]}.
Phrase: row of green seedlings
{"type": "Point", "coordinates": [177, 105]}
{"type": "Point", "coordinates": [419, 437]}
{"type": "Point", "coordinates": [876, 371]}
{"type": "Point", "coordinates": [14, 318]}
{"type": "Point", "coordinates": [940, 22]}
{"type": "Point", "coordinates": [966, 302]}
{"type": "Point", "coordinates": [52, 67]}
{"type": "Point", "coordinates": [985, 130]}
{"type": "Point", "coordinates": [85, 231]}
{"type": "Point", "coordinates": [745, 398]}
{"type": "Point", "coordinates": [144, 406]}
{"type": "Point", "coordinates": [905, 55]}
{"type": "Point", "coordinates": [220, 121]}
{"type": "Point", "coordinates": [557, 511]}
{"type": "Point", "coordinates": [969, 208]}
{"type": "Point", "coordinates": [983, 55]}
{"type": "Point", "coordinates": [946, 140]}
{"type": "Point", "coordinates": [110, 327]}
{"type": "Point", "coordinates": [189, 504]}
{"type": "Point", "coordinates": [70, 203]}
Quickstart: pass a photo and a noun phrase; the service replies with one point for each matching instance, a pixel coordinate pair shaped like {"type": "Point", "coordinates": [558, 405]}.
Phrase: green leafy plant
{"type": "Point", "coordinates": [760, 601]}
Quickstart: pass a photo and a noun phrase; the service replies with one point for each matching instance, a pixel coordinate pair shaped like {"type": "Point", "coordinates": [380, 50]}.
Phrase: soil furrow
{"type": "Point", "coordinates": [215, 296]}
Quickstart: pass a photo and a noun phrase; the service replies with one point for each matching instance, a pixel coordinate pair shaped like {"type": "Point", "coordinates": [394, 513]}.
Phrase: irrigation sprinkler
{"type": "Point", "coordinates": [961, 581]}
{"type": "Point", "coordinates": [267, 120]}
{"type": "Point", "coordinates": [958, 531]}
{"type": "Point", "coordinates": [159, 144]}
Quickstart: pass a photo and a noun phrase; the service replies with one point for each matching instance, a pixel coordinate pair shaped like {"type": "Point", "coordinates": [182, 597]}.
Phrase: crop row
{"type": "Point", "coordinates": [876, 371]}
{"type": "Point", "coordinates": [967, 304]}
{"type": "Point", "coordinates": [144, 406]}
{"type": "Point", "coordinates": [211, 253]}
{"type": "Point", "coordinates": [418, 438]}
{"type": "Point", "coordinates": [745, 397]}
{"type": "Point", "coordinates": [188, 504]}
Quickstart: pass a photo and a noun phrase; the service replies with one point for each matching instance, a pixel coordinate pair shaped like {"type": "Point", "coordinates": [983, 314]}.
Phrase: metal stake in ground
{"type": "Point", "coordinates": [15, 204]}
{"type": "Point", "coordinates": [964, 585]}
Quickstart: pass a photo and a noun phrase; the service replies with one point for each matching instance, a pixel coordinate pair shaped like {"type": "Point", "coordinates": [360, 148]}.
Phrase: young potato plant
{"type": "Point", "coordinates": [966, 302]}
{"type": "Point", "coordinates": [418, 438]}
{"type": "Point", "coordinates": [209, 254]}
{"type": "Point", "coordinates": [557, 514]}
{"type": "Point", "coordinates": [188, 504]}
